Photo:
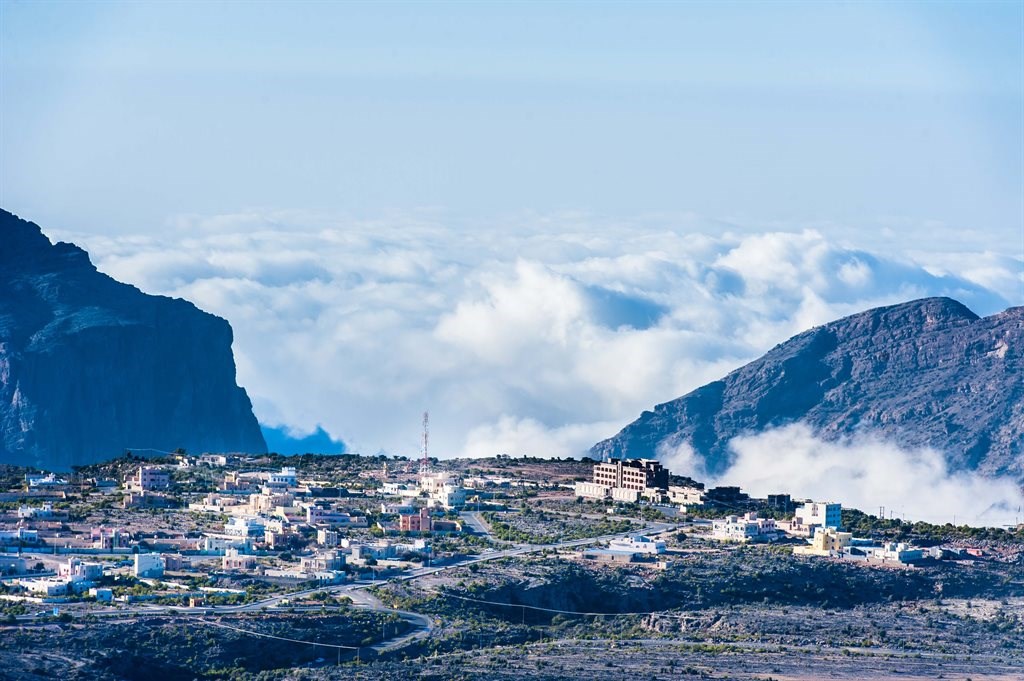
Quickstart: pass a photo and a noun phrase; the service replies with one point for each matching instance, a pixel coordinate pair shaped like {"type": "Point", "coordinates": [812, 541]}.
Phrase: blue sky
{"type": "Point", "coordinates": [117, 117]}
{"type": "Point", "coordinates": [535, 220]}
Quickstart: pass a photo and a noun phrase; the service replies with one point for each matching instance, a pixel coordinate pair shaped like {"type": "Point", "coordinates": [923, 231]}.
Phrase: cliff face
{"type": "Point", "coordinates": [90, 366]}
{"type": "Point", "coordinates": [924, 373]}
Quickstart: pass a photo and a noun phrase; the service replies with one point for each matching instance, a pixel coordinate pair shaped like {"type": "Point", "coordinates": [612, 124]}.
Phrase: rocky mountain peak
{"type": "Point", "coordinates": [927, 372]}
{"type": "Point", "coordinates": [90, 366]}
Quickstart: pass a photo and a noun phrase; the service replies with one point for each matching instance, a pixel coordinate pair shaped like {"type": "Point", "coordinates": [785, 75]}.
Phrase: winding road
{"type": "Point", "coordinates": [421, 625]}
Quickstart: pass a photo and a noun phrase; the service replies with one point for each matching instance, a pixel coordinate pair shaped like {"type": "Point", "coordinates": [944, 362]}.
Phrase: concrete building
{"type": "Point", "coordinates": [726, 496]}
{"type": "Point", "coordinates": [43, 511]}
{"type": "Point", "coordinates": [746, 528]}
{"type": "Point", "coordinates": [150, 478]}
{"type": "Point", "coordinates": [448, 497]}
{"type": "Point", "coordinates": [637, 544]}
{"type": "Point", "coordinates": [592, 490]}
{"type": "Point", "coordinates": [287, 477]}
{"type": "Point", "coordinates": [398, 489]}
{"type": "Point", "coordinates": [148, 565]}
{"type": "Point", "coordinates": [11, 565]}
{"type": "Point", "coordinates": [634, 474]}
{"type": "Point", "coordinates": [47, 587]}
{"type": "Point", "coordinates": [244, 527]}
{"type": "Point", "coordinates": [43, 480]}
{"type": "Point", "coordinates": [415, 522]}
{"type": "Point", "coordinates": [781, 502]}
{"type": "Point", "coordinates": [325, 537]}
{"type": "Point", "coordinates": [105, 538]}
{"type": "Point", "coordinates": [102, 595]}
{"type": "Point", "coordinates": [609, 556]}
{"type": "Point", "coordinates": [268, 501]}
{"type": "Point", "coordinates": [322, 561]}
{"type": "Point", "coordinates": [813, 515]}
{"type": "Point", "coordinates": [19, 535]}
{"type": "Point", "coordinates": [396, 508]}
{"type": "Point", "coordinates": [224, 542]}
{"type": "Point", "coordinates": [625, 495]}
{"type": "Point", "coordinates": [233, 560]}
{"type": "Point", "coordinates": [826, 542]}
{"type": "Point", "coordinates": [146, 499]}
{"type": "Point", "coordinates": [321, 515]}
{"type": "Point", "coordinates": [79, 570]}
{"type": "Point", "coordinates": [898, 552]}
{"type": "Point", "coordinates": [686, 496]}
{"type": "Point", "coordinates": [380, 551]}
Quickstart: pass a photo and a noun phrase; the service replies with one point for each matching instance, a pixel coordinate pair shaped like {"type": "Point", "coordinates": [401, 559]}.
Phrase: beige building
{"type": "Point", "coordinates": [633, 474]}
{"type": "Point", "coordinates": [826, 542]}
{"type": "Point", "coordinates": [150, 478]}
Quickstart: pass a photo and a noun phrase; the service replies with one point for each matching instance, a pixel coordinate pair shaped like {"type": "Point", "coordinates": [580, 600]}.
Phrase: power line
{"type": "Point", "coordinates": [562, 612]}
{"type": "Point", "coordinates": [278, 638]}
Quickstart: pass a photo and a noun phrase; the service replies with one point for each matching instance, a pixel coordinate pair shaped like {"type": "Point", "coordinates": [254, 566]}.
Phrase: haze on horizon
{"type": "Point", "coordinates": [534, 220]}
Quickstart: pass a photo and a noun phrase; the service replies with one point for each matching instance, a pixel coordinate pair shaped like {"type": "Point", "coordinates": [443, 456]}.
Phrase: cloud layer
{"type": "Point", "coordinates": [538, 338]}
{"type": "Point", "coordinates": [861, 472]}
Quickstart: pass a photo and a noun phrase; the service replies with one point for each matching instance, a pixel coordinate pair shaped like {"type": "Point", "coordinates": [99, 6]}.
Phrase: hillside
{"type": "Point", "coordinates": [90, 366]}
{"type": "Point", "coordinates": [925, 373]}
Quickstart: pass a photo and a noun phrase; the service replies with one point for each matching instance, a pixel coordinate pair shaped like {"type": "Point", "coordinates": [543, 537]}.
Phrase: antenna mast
{"type": "Point", "coordinates": [425, 462]}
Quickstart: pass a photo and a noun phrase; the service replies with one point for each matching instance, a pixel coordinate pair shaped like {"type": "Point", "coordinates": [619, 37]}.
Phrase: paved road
{"type": "Point", "coordinates": [421, 625]}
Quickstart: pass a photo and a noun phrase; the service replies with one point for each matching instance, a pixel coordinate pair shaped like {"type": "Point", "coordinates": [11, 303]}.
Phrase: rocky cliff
{"type": "Point", "coordinates": [90, 366]}
{"type": "Point", "coordinates": [924, 373]}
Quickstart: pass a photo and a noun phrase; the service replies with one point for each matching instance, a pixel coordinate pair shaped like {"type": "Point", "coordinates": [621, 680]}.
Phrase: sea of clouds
{"type": "Point", "coordinates": [539, 337]}
{"type": "Point", "coordinates": [863, 472]}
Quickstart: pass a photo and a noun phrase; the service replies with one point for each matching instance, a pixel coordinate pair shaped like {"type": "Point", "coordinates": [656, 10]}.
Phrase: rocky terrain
{"type": "Point", "coordinates": [90, 366]}
{"type": "Point", "coordinates": [924, 373]}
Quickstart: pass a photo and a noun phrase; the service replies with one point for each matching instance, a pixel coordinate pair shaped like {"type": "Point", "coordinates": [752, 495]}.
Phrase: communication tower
{"type": "Point", "coordinates": [425, 460]}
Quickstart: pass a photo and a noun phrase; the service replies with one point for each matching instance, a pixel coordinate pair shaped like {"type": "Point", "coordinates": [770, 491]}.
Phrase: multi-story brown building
{"type": "Point", "coordinates": [635, 474]}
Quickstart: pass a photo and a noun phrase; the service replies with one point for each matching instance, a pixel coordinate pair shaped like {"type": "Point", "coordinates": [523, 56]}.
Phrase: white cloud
{"type": "Point", "coordinates": [867, 473]}
{"type": "Point", "coordinates": [540, 339]}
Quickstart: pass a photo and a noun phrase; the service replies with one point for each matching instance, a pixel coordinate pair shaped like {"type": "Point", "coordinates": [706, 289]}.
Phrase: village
{"type": "Point", "coordinates": [153, 537]}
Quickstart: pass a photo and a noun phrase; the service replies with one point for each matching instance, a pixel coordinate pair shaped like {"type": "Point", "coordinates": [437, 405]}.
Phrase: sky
{"type": "Point", "coordinates": [534, 219]}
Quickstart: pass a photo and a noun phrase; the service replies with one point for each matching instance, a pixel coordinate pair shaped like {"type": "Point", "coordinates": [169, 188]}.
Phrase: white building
{"type": "Point", "coordinates": [398, 489]}
{"type": "Point", "coordinates": [244, 527]}
{"type": "Point", "coordinates": [44, 511]}
{"type": "Point", "coordinates": [379, 551]}
{"type": "Point", "coordinates": [592, 490]}
{"type": "Point", "coordinates": [815, 514]}
{"type": "Point", "coordinates": [686, 496]}
{"type": "Point", "coordinates": [626, 495]}
{"type": "Point", "coordinates": [47, 587]}
{"type": "Point", "coordinates": [148, 565]}
{"type": "Point", "coordinates": [19, 535]}
{"type": "Point", "coordinates": [286, 477]}
{"type": "Point", "coordinates": [899, 552]}
{"type": "Point", "coordinates": [322, 561]}
{"type": "Point", "coordinates": [325, 537]}
{"type": "Point", "coordinates": [43, 480]}
{"type": "Point", "coordinates": [79, 570]}
{"type": "Point", "coordinates": [638, 544]}
{"type": "Point", "coordinates": [396, 508]}
{"type": "Point", "coordinates": [223, 543]}
{"type": "Point", "coordinates": [102, 595]}
{"type": "Point", "coordinates": [449, 497]}
{"type": "Point", "coordinates": [744, 528]}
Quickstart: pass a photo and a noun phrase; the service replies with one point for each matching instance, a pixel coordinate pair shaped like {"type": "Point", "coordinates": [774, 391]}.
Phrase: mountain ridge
{"type": "Point", "coordinates": [925, 373]}
{"type": "Point", "coordinates": [90, 366]}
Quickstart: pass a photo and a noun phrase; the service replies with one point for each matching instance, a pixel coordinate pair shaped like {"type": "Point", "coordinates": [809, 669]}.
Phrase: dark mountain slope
{"type": "Point", "coordinates": [924, 373]}
{"type": "Point", "coordinates": [90, 366]}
